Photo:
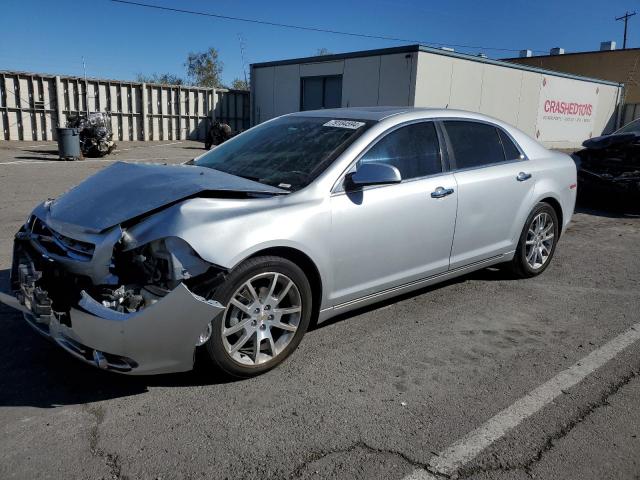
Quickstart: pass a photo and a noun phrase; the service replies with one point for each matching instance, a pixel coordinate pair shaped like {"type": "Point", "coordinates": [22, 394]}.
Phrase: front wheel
{"type": "Point", "coordinates": [268, 309]}
{"type": "Point", "coordinates": [537, 242]}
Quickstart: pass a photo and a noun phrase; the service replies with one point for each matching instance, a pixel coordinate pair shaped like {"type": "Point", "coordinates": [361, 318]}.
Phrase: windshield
{"type": "Point", "coordinates": [289, 152]}
{"type": "Point", "coordinates": [631, 127]}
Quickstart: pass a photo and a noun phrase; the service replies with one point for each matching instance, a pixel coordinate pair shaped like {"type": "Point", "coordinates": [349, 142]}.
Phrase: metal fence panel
{"type": "Point", "coordinates": [32, 106]}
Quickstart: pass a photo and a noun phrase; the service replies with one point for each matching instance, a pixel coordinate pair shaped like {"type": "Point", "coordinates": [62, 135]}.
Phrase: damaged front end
{"type": "Point", "coordinates": [130, 309]}
{"type": "Point", "coordinates": [610, 164]}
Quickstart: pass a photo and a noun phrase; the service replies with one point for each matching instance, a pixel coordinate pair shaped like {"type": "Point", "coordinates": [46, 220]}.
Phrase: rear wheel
{"type": "Point", "coordinates": [537, 242]}
{"type": "Point", "coordinates": [268, 309]}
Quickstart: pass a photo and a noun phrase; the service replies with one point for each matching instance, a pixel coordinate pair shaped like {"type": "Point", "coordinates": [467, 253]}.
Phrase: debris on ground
{"type": "Point", "coordinates": [96, 137]}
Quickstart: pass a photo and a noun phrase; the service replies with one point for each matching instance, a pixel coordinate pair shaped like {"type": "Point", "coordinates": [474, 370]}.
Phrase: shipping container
{"type": "Point", "coordinates": [560, 110]}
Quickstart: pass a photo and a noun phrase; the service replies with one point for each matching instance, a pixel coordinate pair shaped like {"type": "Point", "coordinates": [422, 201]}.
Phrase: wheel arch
{"type": "Point", "coordinates": [555, 204]}
{"type": "Point", "coordinates": [307, 265]}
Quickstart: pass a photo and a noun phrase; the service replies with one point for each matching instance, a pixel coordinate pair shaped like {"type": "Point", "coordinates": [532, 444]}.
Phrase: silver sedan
{"type": "Point", "coordinates": [296, 220]}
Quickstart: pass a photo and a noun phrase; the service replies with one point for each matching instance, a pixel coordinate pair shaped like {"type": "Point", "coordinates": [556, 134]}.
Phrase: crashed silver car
{"type": "Point", "coordinates": [296, 220]}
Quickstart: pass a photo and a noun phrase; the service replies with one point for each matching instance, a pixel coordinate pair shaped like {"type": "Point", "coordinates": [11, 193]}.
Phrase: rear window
{"type": "Point", "coordinates": [511, 152]}
{"type": "Point", "coordinates": [474, 144]}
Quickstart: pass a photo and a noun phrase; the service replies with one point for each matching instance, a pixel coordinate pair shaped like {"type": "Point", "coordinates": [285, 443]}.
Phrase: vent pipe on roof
{"type": "Point", "coordinates": [610, 45]}
{"type": "Point", "coordinates": [526, 53]}
{"type": "Point", "coordinates": [556, 51]}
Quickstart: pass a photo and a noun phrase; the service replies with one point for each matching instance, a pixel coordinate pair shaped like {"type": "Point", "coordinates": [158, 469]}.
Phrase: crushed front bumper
{"type": "Point", "coordinates": [159, 339]}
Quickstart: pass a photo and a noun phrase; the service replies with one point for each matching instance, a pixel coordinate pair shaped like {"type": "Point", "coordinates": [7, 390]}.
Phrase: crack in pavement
{"type": "Point", "coordinates": [550, 442]}
{"type": "Point", "coordinates": [112, 460]}
{"type": "Point", "coordinates": [314, 457]}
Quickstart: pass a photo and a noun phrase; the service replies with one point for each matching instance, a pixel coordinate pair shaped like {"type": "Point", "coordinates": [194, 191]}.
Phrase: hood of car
{"type": "Point", "coordinates": [612, 140]}
{"type": "Point", "coordinates": [124, 191]}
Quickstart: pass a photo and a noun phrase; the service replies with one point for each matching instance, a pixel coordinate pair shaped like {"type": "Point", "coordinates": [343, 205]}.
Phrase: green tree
{"type": "Point", "coordinates": [239, 84]}
{"type": "Point", "coordinates": [204, 68]}
{"type": "Point", "coordinates": [164, 78]}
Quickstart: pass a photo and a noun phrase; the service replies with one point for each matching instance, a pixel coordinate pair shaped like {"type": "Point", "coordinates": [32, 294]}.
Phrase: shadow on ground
{"type": "Point", "coordinates": [35, 372]}
{"type": "Point", "coordinates": [615, 205]}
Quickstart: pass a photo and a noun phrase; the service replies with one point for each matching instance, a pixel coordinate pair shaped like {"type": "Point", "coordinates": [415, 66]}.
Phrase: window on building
{"type": "Point", "coordinates": [321, 92]}
{"type": "Point", "coordinates": [474, 144]}
{"type": "Point", "coordinates": [413, 150]}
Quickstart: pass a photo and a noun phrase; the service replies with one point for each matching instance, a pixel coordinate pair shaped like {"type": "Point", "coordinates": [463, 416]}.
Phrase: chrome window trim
{"type": "Point", "coordinates": [338, 184]}
{"type": "Point", "coordinates": [443, 120]}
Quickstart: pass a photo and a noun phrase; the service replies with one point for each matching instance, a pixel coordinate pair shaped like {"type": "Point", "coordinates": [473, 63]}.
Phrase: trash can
{"type": "Point", "coordinates": [68, 143]}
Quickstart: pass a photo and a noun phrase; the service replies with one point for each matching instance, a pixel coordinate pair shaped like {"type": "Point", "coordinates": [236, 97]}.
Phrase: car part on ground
{"type": "Point", "coordinates": [611, 163]}
{"type": "Point", "coordinates": [303, 217]}
{"type": "Point", "coordinates": [96, 137]}
{"type": "Point", "coordinates": [218, 133]}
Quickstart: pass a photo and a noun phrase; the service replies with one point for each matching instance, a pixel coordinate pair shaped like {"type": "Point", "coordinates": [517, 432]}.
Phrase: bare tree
{"type": "Point", "coordinates": [239, 84]}
{"type": "Point", "coordinates": [323, 51]}
{"type": "Point", "coordinates": [163, 78]}
{"type": "Point", "coordinates": [204, 68]}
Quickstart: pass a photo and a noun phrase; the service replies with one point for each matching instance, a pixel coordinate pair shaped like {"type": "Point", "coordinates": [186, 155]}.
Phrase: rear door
{"type": "Point", "coordinates": [387, 236]}
{"type": "Point", "coordinates": [493, 187]}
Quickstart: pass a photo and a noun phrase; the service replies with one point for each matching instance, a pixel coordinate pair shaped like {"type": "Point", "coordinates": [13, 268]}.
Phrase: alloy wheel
{"type": "Point", "coordinates": [539, 242]}
{"type": "Point", "coordinates": [261, 318]}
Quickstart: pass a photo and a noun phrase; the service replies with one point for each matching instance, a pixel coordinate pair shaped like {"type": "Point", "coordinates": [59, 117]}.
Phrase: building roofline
{"type": "Point", "coordinates": [568, 54]}
{"type": "Point", "coordinates": [435, 51]}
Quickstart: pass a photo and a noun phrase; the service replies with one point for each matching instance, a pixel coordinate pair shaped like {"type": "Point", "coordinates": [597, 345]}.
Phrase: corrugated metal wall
{"type": "Point", "coordinates": [232, 107]}
{"type": "Point", "coordinates": [31, 104]}
{"type": "Point", "coordinates": [631, 112]}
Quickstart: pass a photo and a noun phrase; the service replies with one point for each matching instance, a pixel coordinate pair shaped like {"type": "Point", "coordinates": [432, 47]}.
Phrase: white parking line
{"type": "Point", "coordinates": [41, 145]}
{"type": "Point", "coordinates": [96, 160]}
{"type": "Point", "coordinates": [147, 146]}
{"type": "Point", "coordinates": [468, 447]}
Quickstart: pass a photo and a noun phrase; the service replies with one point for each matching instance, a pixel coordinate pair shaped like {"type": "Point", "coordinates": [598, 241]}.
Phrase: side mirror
{"type": "Point", "coordinates": [372, 174]}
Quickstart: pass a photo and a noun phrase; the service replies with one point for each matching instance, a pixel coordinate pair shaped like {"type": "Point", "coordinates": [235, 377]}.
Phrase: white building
{"type": "Point", "coordinates": [558, 109]}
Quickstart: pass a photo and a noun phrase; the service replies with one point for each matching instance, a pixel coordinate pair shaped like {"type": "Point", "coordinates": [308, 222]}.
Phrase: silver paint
{"type": "Point", "coordinates": [366, 246]}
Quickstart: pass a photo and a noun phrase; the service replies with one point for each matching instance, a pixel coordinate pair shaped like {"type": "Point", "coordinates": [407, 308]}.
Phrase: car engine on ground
{"type": "Point", "coordinates": [96, 137]}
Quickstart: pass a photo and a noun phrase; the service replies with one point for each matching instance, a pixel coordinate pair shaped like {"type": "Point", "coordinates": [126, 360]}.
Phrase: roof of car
{"type": "Point", "coordinates": [380, 113]}
{"type": "Point", "coordinates": [355, 113]}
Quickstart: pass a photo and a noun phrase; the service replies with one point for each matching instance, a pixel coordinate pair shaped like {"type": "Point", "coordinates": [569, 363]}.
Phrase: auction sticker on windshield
{"type": "Point", "coordinates": [343, 124]}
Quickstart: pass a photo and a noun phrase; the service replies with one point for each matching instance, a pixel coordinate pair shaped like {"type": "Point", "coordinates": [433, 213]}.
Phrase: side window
{"type": "Point", "coordinates": [474, 144]}
{"type": "Point", "coordinates": [511, 152]}
{"type": "Point", "coordinates": [413, 150]}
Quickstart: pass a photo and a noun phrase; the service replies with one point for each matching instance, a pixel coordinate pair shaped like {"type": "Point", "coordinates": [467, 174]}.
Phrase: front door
{"type": "Point", "coordinates": [386, 236]}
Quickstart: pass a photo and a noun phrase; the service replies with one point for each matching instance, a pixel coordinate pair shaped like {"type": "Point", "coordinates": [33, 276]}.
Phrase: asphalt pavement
{"type": "Point", "coordinates": [384, 393]}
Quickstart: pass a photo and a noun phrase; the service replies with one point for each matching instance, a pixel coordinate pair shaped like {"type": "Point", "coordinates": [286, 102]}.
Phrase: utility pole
{"type": "Point", "coordinates": [625, 17]}
{"type": "Point", "coordinates": [86, 87]}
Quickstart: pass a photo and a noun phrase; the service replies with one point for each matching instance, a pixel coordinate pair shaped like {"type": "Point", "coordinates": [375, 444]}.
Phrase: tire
{"type": "Point", "coordinates": [207, 146]}
{"type": "Point", "coordinates": [268, 325]}
{"type": "Point", "coordinates": [526, 264]}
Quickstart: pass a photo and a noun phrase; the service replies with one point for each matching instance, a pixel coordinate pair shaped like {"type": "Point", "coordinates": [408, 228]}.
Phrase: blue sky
{"type": "Point", "coordinates": [118, 41]}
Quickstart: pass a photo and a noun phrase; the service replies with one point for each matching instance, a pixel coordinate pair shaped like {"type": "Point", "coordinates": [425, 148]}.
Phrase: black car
{"type": "Point", "coordinates": [610, 164]}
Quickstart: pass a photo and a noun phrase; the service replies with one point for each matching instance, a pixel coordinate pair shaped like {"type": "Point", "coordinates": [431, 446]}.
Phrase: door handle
{"type": "Point", "coordinates": [441, 192]}
{"type": "Point", "coordinates": [522, 176]}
